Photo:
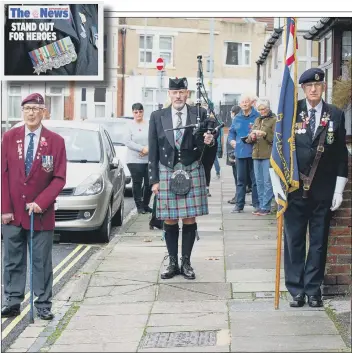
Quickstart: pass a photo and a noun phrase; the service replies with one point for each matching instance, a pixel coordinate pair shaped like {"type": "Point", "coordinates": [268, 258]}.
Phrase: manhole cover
{"type": "Point", "coordinates": [179, 339]}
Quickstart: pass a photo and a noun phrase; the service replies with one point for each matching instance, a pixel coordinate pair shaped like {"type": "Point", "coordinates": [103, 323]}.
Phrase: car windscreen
{"type": "Point", "coordinates": [82, 146]}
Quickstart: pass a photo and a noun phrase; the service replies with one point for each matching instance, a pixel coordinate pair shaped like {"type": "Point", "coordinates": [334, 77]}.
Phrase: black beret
{"type": "Point", "coordinates": [178, 83]}
{"type": "Point", "coordinates": [312, 75]}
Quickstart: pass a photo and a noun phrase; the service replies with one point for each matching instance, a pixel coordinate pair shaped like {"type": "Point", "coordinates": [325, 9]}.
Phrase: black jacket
{"type": "Point", "coordinates": [334, 160]}
{"type": "Point", "coordinates": [162, 145]}
{"type": "Point", "coordinates": [18, 61]}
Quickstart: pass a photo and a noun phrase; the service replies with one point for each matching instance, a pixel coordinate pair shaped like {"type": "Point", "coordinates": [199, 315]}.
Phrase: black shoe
{"type": "Point", "coordinates": [232, 201]}
{"type": "Point", "coordinates": [315, 301]}
{"type": "Point", "coordinates": [186, 268]}
{"type": "Point", "coordinates": [45, 314]}
{"type": "Point", "coordinates": [10, 311]}
{"type": "Point", "coordinates": [172, 270]}
{"type": "Point", "coordinates": [141, 211]}
{"type": "Point", "coordinates": [298, 301]}
{"type": "Point", "coordinates": [148, 209]}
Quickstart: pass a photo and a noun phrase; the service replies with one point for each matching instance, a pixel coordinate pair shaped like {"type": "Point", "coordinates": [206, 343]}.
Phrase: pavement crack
{"type": "Point", "coordinates": [191, 290]}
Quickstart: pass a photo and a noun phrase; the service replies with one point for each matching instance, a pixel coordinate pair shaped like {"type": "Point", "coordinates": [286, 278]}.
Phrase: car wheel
{"type": "Point", "coordinates": [105, 229]}
{"type": "Point", "coordinates": [118, 218]}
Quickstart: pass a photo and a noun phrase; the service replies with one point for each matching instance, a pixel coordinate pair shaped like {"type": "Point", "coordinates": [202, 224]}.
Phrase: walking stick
{"type": "Point", "coordinates": [278, 261]}
{"type": "Point", "coordinates": [31, 317]}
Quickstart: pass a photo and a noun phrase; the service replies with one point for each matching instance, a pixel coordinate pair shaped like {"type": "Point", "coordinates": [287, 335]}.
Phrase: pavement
{"type": "Point", "coordinates": [117, 302]}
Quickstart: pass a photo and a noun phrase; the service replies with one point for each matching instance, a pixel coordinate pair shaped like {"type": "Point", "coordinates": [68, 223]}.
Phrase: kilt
{"type": "Point", "coordinates": [172, 206]}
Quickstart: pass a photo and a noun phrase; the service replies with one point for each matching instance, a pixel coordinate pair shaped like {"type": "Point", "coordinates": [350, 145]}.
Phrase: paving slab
{"type": "Point", "coordinates": [285, 343]}
{"type": "Point", "coordinates": [206, 306]}
{"type": "Point", "coordinates": [194, 291]}
{"type": "Point", "coordinates": [191, 319]}
{"type": "Point", "coordinates": [93, 336]}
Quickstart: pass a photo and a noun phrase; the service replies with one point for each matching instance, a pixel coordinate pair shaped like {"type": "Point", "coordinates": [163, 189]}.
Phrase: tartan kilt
{"type": "Point", "coordinates": [193, 204]}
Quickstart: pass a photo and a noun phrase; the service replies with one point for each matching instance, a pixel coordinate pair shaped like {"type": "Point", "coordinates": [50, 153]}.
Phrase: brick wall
{"type": "Point", "coordinates": [338, 267]}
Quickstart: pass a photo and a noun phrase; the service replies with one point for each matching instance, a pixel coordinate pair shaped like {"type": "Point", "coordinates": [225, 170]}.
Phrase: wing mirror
{"type": "Point", "coordinates": [115, 163]}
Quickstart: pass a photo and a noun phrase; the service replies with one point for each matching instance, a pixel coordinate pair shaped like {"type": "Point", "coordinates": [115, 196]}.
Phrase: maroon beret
{"type": "Point", "coordinates": [34, 98]}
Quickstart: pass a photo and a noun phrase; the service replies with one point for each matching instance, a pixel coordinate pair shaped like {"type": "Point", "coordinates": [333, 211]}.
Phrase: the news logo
{"type": "Point", "coordinates": [38, 12]}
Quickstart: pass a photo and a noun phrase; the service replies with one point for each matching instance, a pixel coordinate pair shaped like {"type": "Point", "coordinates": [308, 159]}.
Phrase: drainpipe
{"type": "Point", "coordinates": [258, 79]}
{"type": "Point", "coordinates": [123, 32]}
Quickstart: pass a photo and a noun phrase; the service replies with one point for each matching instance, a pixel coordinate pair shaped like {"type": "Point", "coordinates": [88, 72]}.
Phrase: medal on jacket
{"type": "Point", "coordinates": [83, 34]}
{"type": "Point", "coordinates": [304, 125]}
{"type": "Point", "coordinates": [94, 36]}
{"type": "Point", "coordinates": [53, 55]}
{"type": "Point", "coordinates": [330, 133]}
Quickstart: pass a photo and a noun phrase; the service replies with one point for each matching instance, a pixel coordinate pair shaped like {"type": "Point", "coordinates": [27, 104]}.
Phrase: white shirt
{"type": "Point", "coordinates": [35, 140]}
{"type": "Point", "coordinates": [175, 118]}
{"type": "Point", "coordinates": [318, 109]}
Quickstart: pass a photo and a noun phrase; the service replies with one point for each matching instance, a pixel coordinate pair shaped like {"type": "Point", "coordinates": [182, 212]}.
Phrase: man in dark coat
{"type": "Point", "coordinates": [80, 29]}
{"type": "Point", "coordinates": [170, 151]}
{"type": "Point", "coordinates": [319, 126]}
{"type": "Point", "coordinates": [33, 172]}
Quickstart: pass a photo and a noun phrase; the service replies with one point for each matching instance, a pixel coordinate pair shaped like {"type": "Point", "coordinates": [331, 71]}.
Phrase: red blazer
{"type": "Point", "coordinates": [43, 183]}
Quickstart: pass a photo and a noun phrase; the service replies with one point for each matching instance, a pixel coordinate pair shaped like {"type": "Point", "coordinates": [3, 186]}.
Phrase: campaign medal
{"type": "Point", "coordinates": [330, 133]}
{"type": "Point", "coordinates": [94, 33]}
{"type": "Point", "coordinates": [83, 34]}
{"type": "Point", "coordinates": [53, 55]}
{"type": "Point", "coordinates": [70, 48]}
{"type": "Point", "coordinates": [48, 163]}
{"type": "Point", "coordinates": [304, 125]}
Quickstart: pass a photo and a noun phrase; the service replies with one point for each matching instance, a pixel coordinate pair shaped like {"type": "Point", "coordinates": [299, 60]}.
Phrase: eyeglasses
{"type": "Point", "coordinates": [310, 85]}
{"type": "Point", "coordinates": [33, 109]}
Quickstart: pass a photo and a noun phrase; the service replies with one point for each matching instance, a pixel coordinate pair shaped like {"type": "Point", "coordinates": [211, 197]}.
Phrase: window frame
{"type": "Point", "coordinates": [243, 53]}
{"type": "Point", "coordinates": [155, 51]}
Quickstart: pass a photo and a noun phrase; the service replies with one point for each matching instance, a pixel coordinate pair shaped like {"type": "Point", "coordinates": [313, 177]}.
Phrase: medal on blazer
{"type": "Point", "coordinates": [330, 133]}
{"type": "Point", "coordinates": [83, 34]}
{"type": "Point", "coordinates": [48, 163]}
{"type": "Point", "coordinates": [53, 55]}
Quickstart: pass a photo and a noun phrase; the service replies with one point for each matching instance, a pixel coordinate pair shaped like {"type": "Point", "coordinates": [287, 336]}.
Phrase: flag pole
{"type": "Point", "coordinates": [278, 260]}
{"type": "Point", "coordinates": [280, 218]}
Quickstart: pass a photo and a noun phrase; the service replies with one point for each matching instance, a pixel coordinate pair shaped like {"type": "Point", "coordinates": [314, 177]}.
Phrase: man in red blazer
{"type": "Point", "coordinates": [33, 163]}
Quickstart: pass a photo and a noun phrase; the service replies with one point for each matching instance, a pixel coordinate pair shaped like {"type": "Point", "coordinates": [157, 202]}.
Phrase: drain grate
{"type": "Point", "coordinates": [179, 339]}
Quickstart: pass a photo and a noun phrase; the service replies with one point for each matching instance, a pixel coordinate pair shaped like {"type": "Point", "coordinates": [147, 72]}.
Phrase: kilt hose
{"type": "Point", "coordinates": [172, 206]}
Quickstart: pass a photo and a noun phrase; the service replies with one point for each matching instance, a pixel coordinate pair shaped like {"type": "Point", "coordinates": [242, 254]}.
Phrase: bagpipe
{"type": "Point", "coordinates": [208, 125]}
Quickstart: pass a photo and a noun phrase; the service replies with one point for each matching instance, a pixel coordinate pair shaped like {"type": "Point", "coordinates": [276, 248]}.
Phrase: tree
{"type": "Point", "coordinates": [342, 92]}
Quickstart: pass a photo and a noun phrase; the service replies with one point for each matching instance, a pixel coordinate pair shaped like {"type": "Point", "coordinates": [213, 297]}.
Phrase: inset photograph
{"type": "Point", "coordinates": [53, 42]}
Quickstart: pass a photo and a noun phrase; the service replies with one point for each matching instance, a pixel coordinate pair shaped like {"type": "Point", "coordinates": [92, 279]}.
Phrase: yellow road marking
{"type": "Point", "coordinates": [27, 308]}
{"type": "Point", "coordinates": [57, 268]}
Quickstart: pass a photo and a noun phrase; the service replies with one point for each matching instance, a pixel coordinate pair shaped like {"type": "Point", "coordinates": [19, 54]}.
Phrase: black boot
{"type": "Point", "coordinates": [171, 239]}
{"type": "Point", "coordinates": [189, 233]}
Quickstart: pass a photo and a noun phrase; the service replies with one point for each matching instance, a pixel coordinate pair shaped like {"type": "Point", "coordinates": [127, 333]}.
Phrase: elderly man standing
{"type": "Point", "coordinates": [177, 163]}
{"type": "Point", "coordinates": [240, 128]}
{"type": "Point", "coordinates": [320, 129]}
{"type": "Point", "coordinates": [33, 161]}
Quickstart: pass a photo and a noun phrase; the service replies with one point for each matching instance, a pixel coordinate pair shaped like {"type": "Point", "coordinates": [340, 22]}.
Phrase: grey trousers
{"type": "Point", "coordinates": [15, 240]}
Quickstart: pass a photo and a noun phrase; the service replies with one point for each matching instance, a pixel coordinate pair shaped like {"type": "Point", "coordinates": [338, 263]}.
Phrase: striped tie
{"type": "Point", "coordinates": [179, 133]}
{"type": "Point", "coordinates": [312, 121]}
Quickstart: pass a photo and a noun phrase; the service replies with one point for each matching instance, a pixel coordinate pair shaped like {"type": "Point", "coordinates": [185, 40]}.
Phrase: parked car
{"type": "Point", "coordinates": [93, 197]}
{"type": "Point", "coordinates": [117, 128]}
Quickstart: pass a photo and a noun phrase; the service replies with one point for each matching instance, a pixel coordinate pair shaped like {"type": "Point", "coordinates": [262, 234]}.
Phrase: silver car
{"type": "Point", "coordinates": [117, 128]}
{"type": "Point", "coordinates": [93, 197]}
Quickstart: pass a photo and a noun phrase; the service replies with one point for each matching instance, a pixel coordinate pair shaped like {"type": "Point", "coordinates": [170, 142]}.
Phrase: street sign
{"type": "Point", "coordinates": [160, 64]}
